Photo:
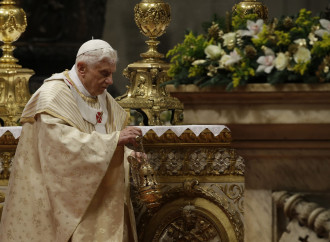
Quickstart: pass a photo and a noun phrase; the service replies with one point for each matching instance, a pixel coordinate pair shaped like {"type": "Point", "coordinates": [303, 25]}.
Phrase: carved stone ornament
{"type": "Point", "coordinates": [308, 220]}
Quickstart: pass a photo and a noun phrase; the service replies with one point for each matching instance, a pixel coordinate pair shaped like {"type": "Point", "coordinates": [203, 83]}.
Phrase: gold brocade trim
{"type": "Point", "coordinates": [27, 120]}
{"type": "Point", "coordinates": [53, 114]}
{"type": "Point", "coordinates": [87, 99]}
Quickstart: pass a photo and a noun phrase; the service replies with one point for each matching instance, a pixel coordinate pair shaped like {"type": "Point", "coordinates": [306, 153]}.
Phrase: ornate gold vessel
{"type": "Point", "coordinates": [146, 94]}
{"type": "Point", "coordinates": [12, 25]}
{"type": "Point", "coordinates": [252, 6]}
{"type": "Point", "coordinates": [144, 179]}
{"type": "Point", "coordinates": [152, 17]}
{"type": "Point", "coordinates": [14, 89]}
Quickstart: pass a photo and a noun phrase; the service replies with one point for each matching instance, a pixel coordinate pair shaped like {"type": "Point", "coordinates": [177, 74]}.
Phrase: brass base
{"type": "Point", "coordinates": [147, 95]}
{"type": "Point", "coordinates": [14, 93]}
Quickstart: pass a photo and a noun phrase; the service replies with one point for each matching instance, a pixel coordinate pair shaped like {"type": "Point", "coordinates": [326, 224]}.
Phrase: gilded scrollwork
{"type": "Point", "coordinates": [174, 222]}
{"type": "Point", "coordinates": [234, 192]}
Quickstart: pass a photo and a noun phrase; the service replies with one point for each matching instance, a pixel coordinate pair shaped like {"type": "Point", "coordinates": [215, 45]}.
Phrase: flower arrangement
{"type": "Point", "coordinates": [289, 49]}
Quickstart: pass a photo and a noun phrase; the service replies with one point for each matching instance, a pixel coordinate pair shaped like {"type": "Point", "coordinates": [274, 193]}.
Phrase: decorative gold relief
{"type": "Point", "coordinates": [189, 172]}
{"type": "Point", "coordinates": [205, 161]}
{"type": "Point", "coordinates": [146, 94]}
{"type": "Point", "coordinates": [14, 89]}
{"type": "Point", "coordinates": [5, 164]}
{"type": "Point", "coordinates": [252, 6]}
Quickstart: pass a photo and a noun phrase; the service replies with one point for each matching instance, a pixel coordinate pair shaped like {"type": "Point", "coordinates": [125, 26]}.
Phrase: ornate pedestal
{"type": "Point", "coordinates": [202, 182]}
{"type": "Point", "coordinates": [200, 177]}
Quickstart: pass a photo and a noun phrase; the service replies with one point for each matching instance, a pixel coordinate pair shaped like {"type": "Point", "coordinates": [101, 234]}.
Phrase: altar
{"type": "Point", "coordinates": [200, 175]}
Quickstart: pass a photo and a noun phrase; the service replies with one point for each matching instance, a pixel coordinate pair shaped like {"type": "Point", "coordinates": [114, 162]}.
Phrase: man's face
{"type": "Point", "coordinates": [97, 77]}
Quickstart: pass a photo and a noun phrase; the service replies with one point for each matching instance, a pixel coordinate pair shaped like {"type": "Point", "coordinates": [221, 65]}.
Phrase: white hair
{"type": "Point", "coordinates": [95, 56]}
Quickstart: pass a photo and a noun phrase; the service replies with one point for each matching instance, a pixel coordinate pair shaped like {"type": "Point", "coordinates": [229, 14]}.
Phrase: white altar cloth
{"type": "Point", "coordinates": [159, 130]}
{"type": "Point", "coordinates": [15, 130]}
{"type": "Point", "coordinates": [179, 129]}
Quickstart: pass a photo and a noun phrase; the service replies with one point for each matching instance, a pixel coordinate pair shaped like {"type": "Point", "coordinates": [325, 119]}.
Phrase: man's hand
{"type": "Point", "coordinates": [129, 135]}
{"type": "Point", "coordinates": [139, 155]}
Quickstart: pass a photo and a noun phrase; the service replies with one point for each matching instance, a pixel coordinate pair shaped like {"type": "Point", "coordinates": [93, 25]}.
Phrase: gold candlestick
{"type": "Point", "coordinates": [14, 89]}
{"type": "Point", "coordinates": [146, 94]}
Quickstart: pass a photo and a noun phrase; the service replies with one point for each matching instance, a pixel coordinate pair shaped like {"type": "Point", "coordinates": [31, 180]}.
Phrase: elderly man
{"type": "Point", "coordinates": [69, 177]}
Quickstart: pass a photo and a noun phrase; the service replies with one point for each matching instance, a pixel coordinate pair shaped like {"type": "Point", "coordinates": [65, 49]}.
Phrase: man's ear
{"type": "Point", "coordinates": [81, 67]}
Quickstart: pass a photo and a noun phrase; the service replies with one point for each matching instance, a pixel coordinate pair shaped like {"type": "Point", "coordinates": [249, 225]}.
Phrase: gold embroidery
{"type": "Point", "coordinates": [86, 99]}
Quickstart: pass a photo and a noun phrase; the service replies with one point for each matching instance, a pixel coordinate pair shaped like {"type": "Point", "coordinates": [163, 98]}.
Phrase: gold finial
{"type": "Point", "coordinates": [12, 25]}
{"type": "Point", "coordinates": [152, 17]}
{"type": "Point", "coordinates": [252, 6]}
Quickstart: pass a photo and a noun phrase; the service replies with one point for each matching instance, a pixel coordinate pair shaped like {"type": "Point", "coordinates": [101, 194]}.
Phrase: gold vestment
{"type": "Point", "coordinates": [67, 182]}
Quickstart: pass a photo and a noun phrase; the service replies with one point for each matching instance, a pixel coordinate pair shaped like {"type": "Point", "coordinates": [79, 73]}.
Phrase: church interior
{"type": "Point", "coordinates": [247, 164]}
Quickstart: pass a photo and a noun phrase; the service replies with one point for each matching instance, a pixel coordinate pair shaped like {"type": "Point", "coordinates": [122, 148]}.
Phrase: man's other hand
{"type": "Point", "coordinates": [139, 156]}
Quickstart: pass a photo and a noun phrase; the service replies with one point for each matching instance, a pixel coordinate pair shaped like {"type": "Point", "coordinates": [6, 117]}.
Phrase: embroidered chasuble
{"type": "Point", "coordinates": [68, 177]}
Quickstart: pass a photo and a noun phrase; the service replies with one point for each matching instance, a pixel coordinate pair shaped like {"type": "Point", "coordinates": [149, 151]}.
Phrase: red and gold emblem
{"type": "Point", "coordinates": [99, 117]}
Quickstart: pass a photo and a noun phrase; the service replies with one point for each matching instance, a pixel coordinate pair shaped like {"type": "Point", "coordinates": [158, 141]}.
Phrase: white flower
{"type": "Point", "coordinates": [223, 60]}
{"type": "Point", "coordinates": [229, 39]}
{"type": "Point", "coordinates": [229, 60]}
{"type": "Point", "coordinates": [312, 38]}
{"type": "Point", "coordinates": [198, 62]}
{"type": "Point", "coordinates": [302, 55]}
{"type": "Point", "coordinates": [326, 25]}
{"type": "Point", "coordinates": [254, 28]}
{"type": "Point", "coordinates": [266, 62]}
{"type": "Point", "coordinates": [301, 42]}
{"type": "Point", "coordinates": [281, 61]}
{"type": "Point", "coordinates": [213, 51]}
